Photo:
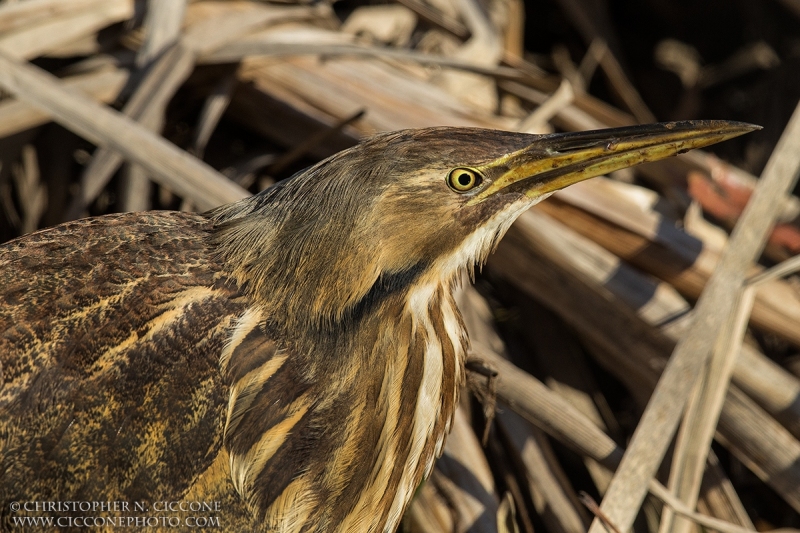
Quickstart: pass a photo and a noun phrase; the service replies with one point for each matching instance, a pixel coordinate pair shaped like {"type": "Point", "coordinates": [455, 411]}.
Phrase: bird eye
{"type": "Point", "coordinates": [463, 179]}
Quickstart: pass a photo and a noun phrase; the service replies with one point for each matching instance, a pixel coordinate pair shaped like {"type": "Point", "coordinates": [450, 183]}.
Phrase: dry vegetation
{"type": "Point", "coordinates": [115, 105]}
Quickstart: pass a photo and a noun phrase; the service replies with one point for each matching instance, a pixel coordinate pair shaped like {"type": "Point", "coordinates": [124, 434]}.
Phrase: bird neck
{"type": "Point", "coordinates": [371, 402]}
{"type": "Point", "coordinates": [308, 265]}
{"type": "Point", "coordinates": [439, 345]}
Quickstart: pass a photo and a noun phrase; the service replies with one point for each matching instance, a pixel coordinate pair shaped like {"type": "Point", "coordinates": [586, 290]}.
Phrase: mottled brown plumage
{"type": "Point", "coordinates": [297, 355]}
{"type": "Point", "coordinates": [110, 331]}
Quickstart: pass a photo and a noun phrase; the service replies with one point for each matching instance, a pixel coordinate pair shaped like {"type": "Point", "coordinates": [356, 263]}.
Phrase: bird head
{"type": "Point", "coordinates": [415, 205]}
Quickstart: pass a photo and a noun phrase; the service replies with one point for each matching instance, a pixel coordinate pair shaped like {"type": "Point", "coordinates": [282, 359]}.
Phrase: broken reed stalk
{"type": "Point", "coordinates": [103, 85]}
{"type": "Point", "coordinates": [552, 494]}
{"type": "Point", "coordinates": [49, 32]}
{"type": "Point", "coordinates": [267, 46]}
{"type": "Point", "coordinates": [704, 408]}
{"type": "Point", "coordinates": [162, 30]}
{"type": "Point", "coordinates": [172, 167]}
{"type": "Point", "coordinates": [532, 400]}
{"type": "Point", "coordinates": [702, 413]}
{"type": "Point", "coordinates": [536, 265]}
{"type": "Point", "coordinates": [686, 265]}
{"type": "Point", "coordinates": [148, 101]}
{"type": "Point", "coordinates": [660, 419]}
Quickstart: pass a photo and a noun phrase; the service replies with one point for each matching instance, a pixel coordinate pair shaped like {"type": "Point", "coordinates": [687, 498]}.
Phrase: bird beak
{"type": "Point", "coordinates": [553, 162]}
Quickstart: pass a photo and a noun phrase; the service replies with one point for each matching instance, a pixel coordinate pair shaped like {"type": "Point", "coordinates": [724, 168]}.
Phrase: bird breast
{"type": "Point", "coordinates": [372, 420]}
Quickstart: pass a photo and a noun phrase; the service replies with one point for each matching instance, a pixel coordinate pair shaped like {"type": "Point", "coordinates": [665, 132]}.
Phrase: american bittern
{"type": "Point", "coordinates": [301, 345]}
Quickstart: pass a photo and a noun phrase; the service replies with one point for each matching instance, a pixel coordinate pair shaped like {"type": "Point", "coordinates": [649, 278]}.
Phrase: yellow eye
{"type": "Point", "coordinates": [463, 179]}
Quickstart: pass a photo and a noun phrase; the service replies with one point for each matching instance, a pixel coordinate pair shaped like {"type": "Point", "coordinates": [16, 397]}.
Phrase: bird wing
{"type": "Point", "coordinates": [111, 331]}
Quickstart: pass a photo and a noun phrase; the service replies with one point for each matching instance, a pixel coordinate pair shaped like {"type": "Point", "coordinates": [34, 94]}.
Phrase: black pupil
{"type": "Point", "coordinates": [464, 179]}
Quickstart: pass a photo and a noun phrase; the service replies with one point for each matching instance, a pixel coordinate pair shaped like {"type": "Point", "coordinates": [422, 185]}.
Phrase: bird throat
{"type": "Point", "coordinates": [371, 402]}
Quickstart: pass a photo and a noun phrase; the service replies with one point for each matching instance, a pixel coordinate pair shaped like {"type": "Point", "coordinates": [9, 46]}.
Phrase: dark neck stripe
{"type": "Point", "coordinates": [387, 285]}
